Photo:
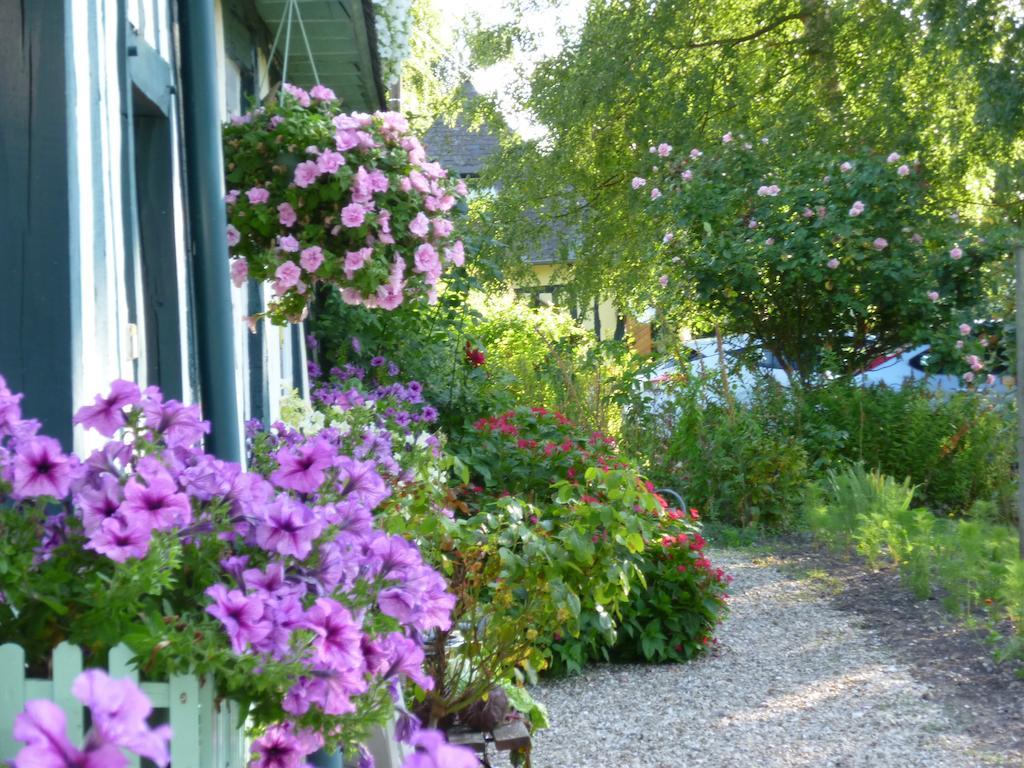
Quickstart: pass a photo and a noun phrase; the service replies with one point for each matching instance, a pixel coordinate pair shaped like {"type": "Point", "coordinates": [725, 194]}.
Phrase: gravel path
{"type": "Point", "coordinates": [795, 683]}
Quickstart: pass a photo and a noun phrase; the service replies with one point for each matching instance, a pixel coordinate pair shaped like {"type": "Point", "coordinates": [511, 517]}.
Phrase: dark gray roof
{"type": "Point", "coordinates": [459, 148]}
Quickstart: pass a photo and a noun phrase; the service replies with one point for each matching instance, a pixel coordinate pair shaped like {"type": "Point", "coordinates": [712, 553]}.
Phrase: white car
{"type": "Point", "coordinates": [910, 364]}
{"type": "Point", "coordinates": [703, 357]}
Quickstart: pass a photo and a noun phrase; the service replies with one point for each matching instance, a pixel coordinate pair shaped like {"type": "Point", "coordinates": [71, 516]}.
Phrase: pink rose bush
{"type": "Point", "coordinates": [812, 254]}
{"type": "Point", "coordinates": [280, 583]}
{"type": "Point", "coordinates": [303, 176]}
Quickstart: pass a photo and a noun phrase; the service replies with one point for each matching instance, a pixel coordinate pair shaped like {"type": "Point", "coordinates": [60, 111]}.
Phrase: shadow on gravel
{"type": "Point", "coordinates": [955, 661]}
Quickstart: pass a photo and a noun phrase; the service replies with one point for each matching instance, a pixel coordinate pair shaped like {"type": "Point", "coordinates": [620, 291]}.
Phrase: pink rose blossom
{"type": "Point", "coordinates": [956, 253]}
{"type": "Point", "coordinates": [695, 153]}
{"type": "Point", "coordinates": [353, 215]}
{"type": "Point", "coordinates": [455, 254]}
{"type": "Point", "coordinates": [638, 182]}
{"type": "Point", "coordinates": [663, 281]}
{"type": "Point", "coordinates": [752, 224]}
{"type": "Point", "coordinates": [846, 167]}
{"type": "Point", "coordinates": [239, 272]}
{"type": "Point", "coordinates": [686, 175]}
{"type": "Point", "coordinates": [894, 157]}
{"type": "Point", "coordinates": [306, 173]}
{"type": "Point", "coordinates": [356, 260]}
{"type": "Point", "coordinates": [727, 138]}
{"type": "Point", "coordinates": [655, 193]}
{"type": "Point", "coordinates": [329, 161]}
{"type": "Point", "coordinates": [322, 93]}
{"type": "Point", "coordinates": [857, 208]}
{"type": "Point", "coordinates": [808, 213]}
{"type": "Point", "coordinates": [297, 93]}
{"type": "Point", "coordinates": [768, 191]}
{"type": "Point", "coordinates": [933, 295]}
{"type": "Point", "coordinates": [833, 263]}
{"type": "Point", "coordinates": [959, 344]}
{"type": "Point", "coordinates": [287, 275]}
{"type": "Point", "coordinates": [879, 243]}
{"type": "Point", "coordinates": [965, 329]}
{"type": "Point", "coordinates": [903, 170]}
{"type": "Point", "coordinates": [668, 238]}
{"type": "Point", "coordinates": [968, 377]}
{"type": "Point", "coordinates": [420, 225]}
{"type": "Point", "coordinates": [990, 380]}
{"type": "Point", "coordinates": [311, 258]}
{"type": "Point", "coordinates": [770, 241]}
{"type": "Point", "coordinates": [664, 150]}
{"type": "Point", "coordinates": [258, 195]}
{"type": "Point", "coordinates": [286, 215]}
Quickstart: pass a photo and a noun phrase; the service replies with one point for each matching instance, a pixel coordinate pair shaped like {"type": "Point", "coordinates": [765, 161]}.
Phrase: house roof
{"type": "Point", "coordinates": [458, 147]}
{"type": "Point", "coordinates": [343, 43]}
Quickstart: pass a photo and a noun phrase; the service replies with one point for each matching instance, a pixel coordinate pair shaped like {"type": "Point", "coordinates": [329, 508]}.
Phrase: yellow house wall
{"type": "Point", "coordinates": [546, 274]}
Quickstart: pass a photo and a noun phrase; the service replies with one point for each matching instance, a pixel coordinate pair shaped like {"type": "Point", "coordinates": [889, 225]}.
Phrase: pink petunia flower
{"type": "Point", "coordinates": [286, 215]}
{"type": "Point", "coordinates": [288, 244]}
{"type": "Point", "coordinates": [239, 272]}
{"type": "Point", "coordinates": [288, 275]}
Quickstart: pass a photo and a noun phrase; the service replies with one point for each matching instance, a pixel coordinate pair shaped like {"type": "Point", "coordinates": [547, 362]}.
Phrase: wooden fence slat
{"type": "Point", "coordinates": [184, 706]}
{"type": "Point", "coordinates": [119, 666]}
{"type": "Point", "coordinates": [158, 693]}
{"type": "Point", "coordinates": [67, 665]}
{"type": "Point", "coordinates": [12, 696]}
{"type": "Point", "coordinates": [209, 741]}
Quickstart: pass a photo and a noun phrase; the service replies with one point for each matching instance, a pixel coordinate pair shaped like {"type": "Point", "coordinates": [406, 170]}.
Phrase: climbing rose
{"type": "Point", "coordinates": [893, 157]}
{"type": "Point", "coordinates": [845, 167]}
{"type": "Point", "coordinates": [880, 243]}
{"type": "Point", "coordinates": [664, 150]}
{"type": "Point", "coordinates": [956, 253]}
{"type": "Point", "coordinates": [933, 295]}
{"type": "Point", "coordinates": [833, 263]}
{"type": "Point", "coordinates": [965, 329]}
{"type": "Point", "coordinates": [727, 138]}
{"type": "Point", "coordinates": [655, 193]}
{"type": "Point", "coordinates": [903, 170]}
{"type": "Point", "coordinates": [638, 182]}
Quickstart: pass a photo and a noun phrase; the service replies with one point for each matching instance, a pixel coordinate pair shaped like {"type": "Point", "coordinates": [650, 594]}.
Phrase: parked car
{"type": "Point", "coordinates": [912, 364]}
{"type": "Point", "coordinates": [747, 362]}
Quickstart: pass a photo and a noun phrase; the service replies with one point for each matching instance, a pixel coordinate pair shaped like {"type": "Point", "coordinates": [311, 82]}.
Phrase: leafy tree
{"type": "Point", "coordinates": [938, 79]}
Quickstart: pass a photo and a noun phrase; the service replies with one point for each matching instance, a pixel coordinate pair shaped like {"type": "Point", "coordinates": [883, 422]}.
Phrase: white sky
{"type": "Point", "coordinates": [545, 24]}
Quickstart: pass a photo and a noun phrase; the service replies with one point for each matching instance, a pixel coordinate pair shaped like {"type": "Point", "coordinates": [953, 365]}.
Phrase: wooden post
{"type": "Point", "coordinates": [1018, 253]}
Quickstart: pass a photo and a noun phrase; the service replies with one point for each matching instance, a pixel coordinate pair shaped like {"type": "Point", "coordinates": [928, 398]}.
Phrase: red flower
{"type": "Point", "coordinates": [474, 356]}
{"type": "Point", "coordinates": [694, 514]}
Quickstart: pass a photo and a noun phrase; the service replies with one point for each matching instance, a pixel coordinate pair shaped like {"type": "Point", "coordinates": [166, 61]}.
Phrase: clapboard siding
{"type": "Point", "coordinates": [35, 276]}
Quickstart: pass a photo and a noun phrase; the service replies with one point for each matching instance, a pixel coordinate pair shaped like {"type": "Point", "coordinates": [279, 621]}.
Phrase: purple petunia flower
{"type": "Point", "coordinates": [432, 751]}
{"type": "Point", "coordinates": [40, 469]}
{"type": "Point", "coordinates": [106, 415]}
{"type": "Point", "coordinates": [281, 746]}
{"type": "Point", "coordinates": [43, 729]}
{"type": "Point", "coordinates": [303, 470]}
{"type": "Point", "coordinates": [337, 642]}
{"type": "Point", "coordinates": [119, 713]}
{"type": "Point", "coordinates": [178, 424]}
{"type": "Point", "coordinates": [97, 504]}
{"type": "Point", "coordinates": [158, 505]}
{"type": "Point", "coordinates": [120, 539]}
{"type": "Point", "coordinates": [241, 615]}
{"type": "Point", "coordinates": [288, 528]}
{"type": "Point", "coordinates": [359, 481]}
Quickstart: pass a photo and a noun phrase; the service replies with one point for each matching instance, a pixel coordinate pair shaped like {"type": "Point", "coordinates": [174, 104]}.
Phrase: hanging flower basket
{"type": "Point", "coordinates": [348, 200]}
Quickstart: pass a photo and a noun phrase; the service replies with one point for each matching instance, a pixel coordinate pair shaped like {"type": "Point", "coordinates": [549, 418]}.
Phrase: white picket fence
{"type": "Point", "coordinates": [205, 733]}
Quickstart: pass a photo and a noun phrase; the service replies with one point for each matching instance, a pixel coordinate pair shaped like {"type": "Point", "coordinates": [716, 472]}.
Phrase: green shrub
{"type": "Point", "coordinates": [656, 596]}
{"type": "Point", "coordinates": [732, 460]}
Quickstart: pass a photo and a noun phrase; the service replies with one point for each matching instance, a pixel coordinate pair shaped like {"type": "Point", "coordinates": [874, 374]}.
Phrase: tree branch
{"type": "Point", "coordinates": [799, 15]}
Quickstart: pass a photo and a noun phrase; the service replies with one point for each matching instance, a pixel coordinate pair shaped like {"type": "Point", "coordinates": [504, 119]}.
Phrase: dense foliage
{"type": "Point", "coordinates": [934, 78]}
